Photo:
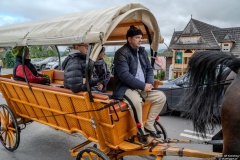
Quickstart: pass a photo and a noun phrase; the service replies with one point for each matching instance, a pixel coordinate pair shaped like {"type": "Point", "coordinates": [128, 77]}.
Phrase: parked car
{"type": "Point", "coordinates": [174, 91]}
{"type": "Point", "coordinates": [55, 64]}
{"type": "Point", "coordinates": [42, 64]}
{"type": "Point", "coordinates": [36, 60]}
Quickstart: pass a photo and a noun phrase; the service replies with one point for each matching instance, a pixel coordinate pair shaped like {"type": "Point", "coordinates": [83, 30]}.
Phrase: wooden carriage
{"type": "Point", "coordinates": [101, 120]}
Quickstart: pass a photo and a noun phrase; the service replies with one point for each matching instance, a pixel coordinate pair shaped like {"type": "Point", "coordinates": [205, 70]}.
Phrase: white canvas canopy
{"type": "Point", "coordinates": [111, 24]}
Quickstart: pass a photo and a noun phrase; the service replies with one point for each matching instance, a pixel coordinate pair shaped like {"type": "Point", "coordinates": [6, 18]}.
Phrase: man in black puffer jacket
{"type": "Point", "coordinates": [133, 83]}
{"type": "Point", "coordinates": [74, 69]}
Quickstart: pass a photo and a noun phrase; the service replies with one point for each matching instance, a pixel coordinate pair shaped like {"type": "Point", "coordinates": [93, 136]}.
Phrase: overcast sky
{"type": "Point", "coordinates": [170, 14]}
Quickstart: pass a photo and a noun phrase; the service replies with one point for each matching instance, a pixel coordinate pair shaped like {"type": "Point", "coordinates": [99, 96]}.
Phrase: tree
{"type": "Point", "coordinates": [65, 53]}
{"type": "Point", "coordinates": [36, 51]}
{"type": "Point", "coordinates": [160, 75]}
{"type": "Point", "coordinates": [50, 52]}
{"type": "Point", "coordinates": [42, 51]}
{"type": "Point", "coordinates": [9, 59]}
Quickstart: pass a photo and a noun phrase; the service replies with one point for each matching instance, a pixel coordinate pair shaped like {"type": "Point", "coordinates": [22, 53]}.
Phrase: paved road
{"type": "Point", "coordinates": [6, 71]}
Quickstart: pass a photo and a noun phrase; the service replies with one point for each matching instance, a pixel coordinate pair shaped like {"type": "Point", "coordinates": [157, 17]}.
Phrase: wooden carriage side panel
{"type": "Point", "coordinates": [104, 119]}
{"type": "Point", "coordinates": [58, 103]}
{"type": "Point", "coordinates": [24, 96]}
{"type": "Point", "coordinates": [103, 115]}
{"type": "Point", "coordinates": [125, 128]}
{"type": "Point", "coordinates": [41, 101]}
{"type": "Point", "coordinates": [33, 111]}
{"type": "Point", "coordinates": [8, 91]}
{"type": "Point", "coordinates": [64, 104]}
{"type": "Point", "coordinates": [54, 105]}
{"type": "Point", "coordinates": [86, 126]}
{"type": "Point", "coordinates": [50, 105]}
{"type": "Point", "coordinates": [14, 92]}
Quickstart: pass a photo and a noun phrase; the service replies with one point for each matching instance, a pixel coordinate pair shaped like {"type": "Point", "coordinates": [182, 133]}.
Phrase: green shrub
{"type": "Point", "coordinates": [160, 75]}
{"type": "Point", "coordinates": [9, 59]}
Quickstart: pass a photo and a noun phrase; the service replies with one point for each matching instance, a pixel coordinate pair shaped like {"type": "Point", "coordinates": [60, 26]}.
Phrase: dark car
{"type": "Point", "coordinates": [174, 91]}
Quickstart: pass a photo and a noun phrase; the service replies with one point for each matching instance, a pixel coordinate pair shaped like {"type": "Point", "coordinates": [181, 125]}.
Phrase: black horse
{"type": "Point", "coordinates": [205, 70]}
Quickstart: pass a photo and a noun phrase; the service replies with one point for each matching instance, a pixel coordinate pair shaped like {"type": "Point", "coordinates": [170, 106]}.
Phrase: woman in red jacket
{"type": "Point", "coordinates": [31, 73]}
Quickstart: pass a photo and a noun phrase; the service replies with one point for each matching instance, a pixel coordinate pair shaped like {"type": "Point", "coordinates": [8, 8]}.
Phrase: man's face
{"type": "Point", "coordinates": [135, 41]}
{"type": "Point", "coordinates": [83, 48]}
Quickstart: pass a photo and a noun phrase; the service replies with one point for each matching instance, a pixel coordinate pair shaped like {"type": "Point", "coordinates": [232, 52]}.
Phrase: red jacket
{"type": "Point", "coordinates": [31, 78]}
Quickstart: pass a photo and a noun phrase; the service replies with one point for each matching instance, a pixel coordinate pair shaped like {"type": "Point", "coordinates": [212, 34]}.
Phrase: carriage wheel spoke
{"type": "Point", "coordinates": [9, 140]}
{"type": "Point", "coordinates": [5, 137]}
{"type": "Point", "coordinates": [12, 129]}
{"type": "Point", "coordinates": [11, 121]}
{"type": "Point", "coordinates": [4, 114]}
{"type": "Point", "coordinates": [89, 155]}
{"type": "Point", "coordinates": [7, 118]}
{"type": "Point", "coordinates": [2, 133]}
{"type": "Point", "coordinates": [13, 135]}
{"type": "Point", "coordinates": [1, 117]}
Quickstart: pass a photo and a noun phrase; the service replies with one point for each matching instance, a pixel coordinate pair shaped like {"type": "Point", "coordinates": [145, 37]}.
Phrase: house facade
{"type": "Point", "coordinates": [198, 35]}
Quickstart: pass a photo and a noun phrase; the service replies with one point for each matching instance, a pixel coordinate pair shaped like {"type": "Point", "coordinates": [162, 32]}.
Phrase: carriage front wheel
{"type": "Point", "coordinates": [9, 130]}
{"type": "Point", "coordinates": [91, 153]}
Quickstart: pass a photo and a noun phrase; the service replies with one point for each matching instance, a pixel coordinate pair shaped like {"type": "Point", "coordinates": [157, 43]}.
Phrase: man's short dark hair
{"type": "Point", "coordinates": [133, 31]}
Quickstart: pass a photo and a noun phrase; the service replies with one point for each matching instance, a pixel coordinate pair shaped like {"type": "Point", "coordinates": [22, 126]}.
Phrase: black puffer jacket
{"type": "Point", "coordinates": [125, 69]}
{"type": "Point", "coordinates": [74, 71]}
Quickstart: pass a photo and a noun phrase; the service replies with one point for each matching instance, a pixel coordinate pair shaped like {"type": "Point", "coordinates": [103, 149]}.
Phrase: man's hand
{"type": "Point", "coordinates": [148, 87]}
{"type": "Point", "coordinates": [100, 86]}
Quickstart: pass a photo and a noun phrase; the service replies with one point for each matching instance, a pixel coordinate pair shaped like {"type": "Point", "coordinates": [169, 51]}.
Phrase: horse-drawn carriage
{"type": "Point", "coordinates": [100, 119]}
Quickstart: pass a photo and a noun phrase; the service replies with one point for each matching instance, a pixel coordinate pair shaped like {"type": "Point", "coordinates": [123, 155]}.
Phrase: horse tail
{"type": "Point", "coordinates": [205, 90]}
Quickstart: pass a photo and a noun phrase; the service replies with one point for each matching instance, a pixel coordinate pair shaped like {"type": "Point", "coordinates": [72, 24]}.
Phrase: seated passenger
{"type": "Point", "coordinates": [102, 72]}
{"type": "Point", "coordinates": [31, 73]}
{"type": "Point", "coordinates": [74, 69]}
{"type": "Point", "coordinates": [133, 83]}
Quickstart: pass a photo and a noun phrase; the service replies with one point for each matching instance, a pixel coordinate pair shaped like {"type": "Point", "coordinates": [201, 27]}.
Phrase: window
{"type": "Point", "coordinates": [186, 59]}
{"type": "Point", "coordinates": [178, 57]}
{"type": "Point", "coordinates": [225, 47]}
{"type": "Point", "coordinates": [189, 40]}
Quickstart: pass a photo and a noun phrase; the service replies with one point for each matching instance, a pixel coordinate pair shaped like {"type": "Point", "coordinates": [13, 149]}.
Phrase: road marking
{"type": "Point", "coordinates": [193, 132]}
{"type": "Point", "coordinates": [193, 135]}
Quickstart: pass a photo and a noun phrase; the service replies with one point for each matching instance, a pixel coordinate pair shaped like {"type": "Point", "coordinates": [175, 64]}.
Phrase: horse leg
{"type": "Point", "coordinates": [230, 118]}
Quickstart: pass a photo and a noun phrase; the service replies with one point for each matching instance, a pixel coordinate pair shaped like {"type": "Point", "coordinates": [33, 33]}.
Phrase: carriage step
{"type": "Point", "coordinates": [215, 142]}
{"type": "Point", "coordinates": [127, 145]}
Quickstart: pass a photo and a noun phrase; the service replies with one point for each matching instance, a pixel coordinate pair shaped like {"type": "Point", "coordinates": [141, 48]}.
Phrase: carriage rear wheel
{"type": "Point", "coordinates": [91, 153]}
{"type": "Point", "coordinates": [160, 130]}
{"type": "Point", "coordinates": [9, 130]}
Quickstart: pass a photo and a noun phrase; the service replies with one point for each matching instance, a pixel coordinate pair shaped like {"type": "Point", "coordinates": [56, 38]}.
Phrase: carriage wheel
{"type": "Point", "coordinates": [91, 153]}
{"type": "Point", "coordinates": [160, 129]}
{"type": "Point", "coordinates": [9, 130]}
